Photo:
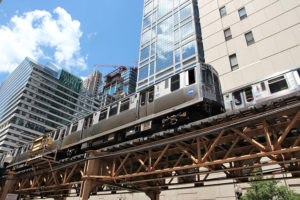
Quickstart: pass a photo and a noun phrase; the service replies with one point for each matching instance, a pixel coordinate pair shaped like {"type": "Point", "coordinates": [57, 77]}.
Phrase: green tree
{"type": "Point", "coordinates": [269, 190]}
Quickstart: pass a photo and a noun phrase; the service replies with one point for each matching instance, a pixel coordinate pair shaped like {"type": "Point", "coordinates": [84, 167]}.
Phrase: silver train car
{"type": "Point", "coordinates": [274, 86]}
{"type": "Point", "coordinates": [183, 97]}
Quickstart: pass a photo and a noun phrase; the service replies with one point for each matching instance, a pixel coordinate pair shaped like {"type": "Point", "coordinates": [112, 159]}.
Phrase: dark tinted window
{"type": "Point", "coordinates": [103, 115]}
{"type": "Point", "coordinates": [175, 82]}
{"type": "Point", "coordinates": [143, 98]}
{"type": "Point", "coordinates": [237, 98]}
{"type": "Point", "coordinates": [277, 84]}
{"type": "Point", "coordinates": [192, 79]}
{"type": "Point", "coordinates": [74, 127]}
{"type": "Point", "coordinates": [113, 109]}
{"type": "Point", "coordinates": [249, 94]}
{"type": "Point", "coordinates": [151, 95]}
{"type": "Point", "coordinates": [124, 105]}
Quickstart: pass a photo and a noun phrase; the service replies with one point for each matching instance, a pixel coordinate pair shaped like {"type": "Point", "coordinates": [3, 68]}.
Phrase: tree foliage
{"type": "Point", "coordinates": [269, 190]}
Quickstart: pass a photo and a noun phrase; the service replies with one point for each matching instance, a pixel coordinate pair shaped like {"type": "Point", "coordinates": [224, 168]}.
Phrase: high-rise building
{"type": "Point", "coordinates": [37, 97]}
{"type": "Point", "coordinates": [118, 84]}
{"type": "Point", "coordinates": [170, 40]}
{"type": "Point", "coordinates": [92, 82]}
{"type": "Point", "coordinates": [247, 41]}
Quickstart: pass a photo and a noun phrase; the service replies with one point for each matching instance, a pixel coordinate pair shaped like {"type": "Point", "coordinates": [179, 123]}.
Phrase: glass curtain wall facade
{"type": "Point", "coordinates": [170, 40]}
{"type": "Point", "coordinates": [35, 98]}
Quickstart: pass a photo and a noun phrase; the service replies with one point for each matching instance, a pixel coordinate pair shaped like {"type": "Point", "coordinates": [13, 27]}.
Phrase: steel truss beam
{"type": "Point", "coordinates": [233, 149]}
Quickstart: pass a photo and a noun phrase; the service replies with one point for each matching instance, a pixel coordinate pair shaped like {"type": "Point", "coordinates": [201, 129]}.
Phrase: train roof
{"type": "Point", "coordinates": [260, 80]}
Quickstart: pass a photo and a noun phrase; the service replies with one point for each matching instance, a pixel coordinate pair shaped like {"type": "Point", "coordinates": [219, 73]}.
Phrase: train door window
{"type": "Point", "coordinates": [63, 134]}
{"type": "Point", "coordinates": [124, 105]}
{"type": "Point", "coordinates": [175, 82]}
{"type": "Point", "coordinates": [191, 74]}
{"type": "Point", "coordinates": [113, 109]}
{"type": "Point", "coordinates": [103, 115]}
{"type": "Point", "coordinates": [277, 84]}
{"type": "Point", "coordinates": [143, 98]}
{"type": "Point", "coordinates": [74, 127]}
{"type": "Point", "coordinates": [263, 86]}
{"type": "Point", "coordinates": [249, 94]}
{"type": "Point", "coordinates": [166, 83]}
{"type": "Point", "coordinates": [151, 95]}
{"type": "Point", "coordinates": [88, 121]}
{"type": "Point", "coordinates": [56, 135]}
{"type": "Point", "coordinates": [237, 98]}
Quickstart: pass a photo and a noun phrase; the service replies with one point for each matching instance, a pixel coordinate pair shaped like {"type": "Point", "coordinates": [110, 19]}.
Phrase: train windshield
{"type": "Point", "coordinates": [207, 76]}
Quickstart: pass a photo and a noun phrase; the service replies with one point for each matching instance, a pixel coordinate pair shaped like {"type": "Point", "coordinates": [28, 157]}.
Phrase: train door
{"type": "Point", "coordinates": [146, 102]}
{"type": "Point", "coordinates": [242, 98]}
{"type": "Point", "coordinates": [238, 99]}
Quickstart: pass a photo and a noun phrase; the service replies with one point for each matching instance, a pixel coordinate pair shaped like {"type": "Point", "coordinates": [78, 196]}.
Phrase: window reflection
{"type": "Point", "coordinates": [143, 72]}
{"type": "Point", "coordinates": [164, 6]}
{"type": "Point", "coordinates": [185, 12]}
{"type": "Point", "coordinates": [144, 53]}
{"type": "Point", "coordinates": [164, 44]}
{"type": "Point", "coordinates": [186, 30]}
{"type": "Point", "coordinates": [188, 50]}
{"type": "Point", "coordinates": [146, 36]}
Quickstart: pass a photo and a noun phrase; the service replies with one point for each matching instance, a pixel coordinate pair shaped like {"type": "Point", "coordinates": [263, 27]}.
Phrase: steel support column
{"type": "Point", "coordinates": [92, 168]}
{"type": "Point", "coordinates": [9, 185]}
{"type": "Point", "coordinates": [153, 195]}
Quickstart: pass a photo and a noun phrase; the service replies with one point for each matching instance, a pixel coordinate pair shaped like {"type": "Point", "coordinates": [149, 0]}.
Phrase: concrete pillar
{"type": "Point", "coordinates": [153, 195]}
{"type": "Point", "coordinates": [10, 185]}
{"type": "Point", "coordinates": [95, 167]}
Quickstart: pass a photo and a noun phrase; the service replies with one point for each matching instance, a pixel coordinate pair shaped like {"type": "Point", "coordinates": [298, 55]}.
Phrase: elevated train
{"type": "Point", "coordinates": [186, 96]}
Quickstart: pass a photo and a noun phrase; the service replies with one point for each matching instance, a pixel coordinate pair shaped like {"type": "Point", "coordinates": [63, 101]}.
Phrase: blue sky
{"type": "Point", "coordinates": [73, 34]}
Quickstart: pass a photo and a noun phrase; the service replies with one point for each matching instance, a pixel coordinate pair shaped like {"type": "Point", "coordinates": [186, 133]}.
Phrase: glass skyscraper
{"type": "Point", "coordinates": [37, 97]}
{"type": "Point", "coordinates": [170, 40]}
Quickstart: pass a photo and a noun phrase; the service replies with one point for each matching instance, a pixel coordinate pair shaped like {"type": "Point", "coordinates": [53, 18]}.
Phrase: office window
{"type": "Point", "coordinates": [223, 11]}
{"type": "Point", "coordinates": [242, 13]}
{"type": "Point", "coordinates": [227, 34]}
{"type": "Point", "coordinates": [249, 38]}
{"type": "Point", "coordinates": [233, 62]}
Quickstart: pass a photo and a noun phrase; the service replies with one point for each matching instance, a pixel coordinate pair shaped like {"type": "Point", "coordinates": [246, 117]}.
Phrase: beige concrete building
{"type": "Point", "coordinates": [247, 40]}
{"type": "Point", "coordinates": [92, 82]}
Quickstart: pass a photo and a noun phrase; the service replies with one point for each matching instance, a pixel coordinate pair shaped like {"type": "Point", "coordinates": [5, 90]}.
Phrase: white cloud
{"type": "Point", "coordinates": [34, 33]}
{"type": "Point", "coordinates": [90, 35]}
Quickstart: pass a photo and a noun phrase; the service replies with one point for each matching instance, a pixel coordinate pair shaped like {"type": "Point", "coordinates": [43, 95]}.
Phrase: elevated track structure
{"type": "Point", "coordinates": [209, 152]}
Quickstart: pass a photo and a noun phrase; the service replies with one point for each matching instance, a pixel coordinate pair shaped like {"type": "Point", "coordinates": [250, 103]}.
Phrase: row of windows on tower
{"type": "Point", "coordinates": [227, 33]}
{"type": "Point", "coordinates": [242, 12]}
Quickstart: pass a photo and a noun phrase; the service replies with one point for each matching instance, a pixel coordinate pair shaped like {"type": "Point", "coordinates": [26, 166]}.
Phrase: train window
{"type": "Point", "coordinates": [124, 105]}
{"type": "Point", "coordinates": [151, 95]}
{"type": "Point", "coordinates": [143, 98]}
{"type": "Point", "coordinates": [277, 84]}
{"type": "Point", "coordinates": [56, 135]}
{"type": "Point", "coordinates": [192, 79]}
{"type": "Point", "coordinates": [74, 127]}
{"type": "Point", "coordinates": [237, 98]}
{"type": "Point", "coordinates": [113, 109]}
{"type": "Point", "coordinates": [166, 83]}
{"type": "Point", "coordinates": [175, 82]}
{"type": "Point", "coordinates": [206, 76]}
{"type": "Point", "coordinates": [63, 133]}
{"type": "Point", "coordinates": [249, 94]}
{"type": "Point", "coordinates": [103, 115]}
{"type": "Point", "coordinates": [88, 121]}
{"type": "Point", "coordinates": [263, 86]}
